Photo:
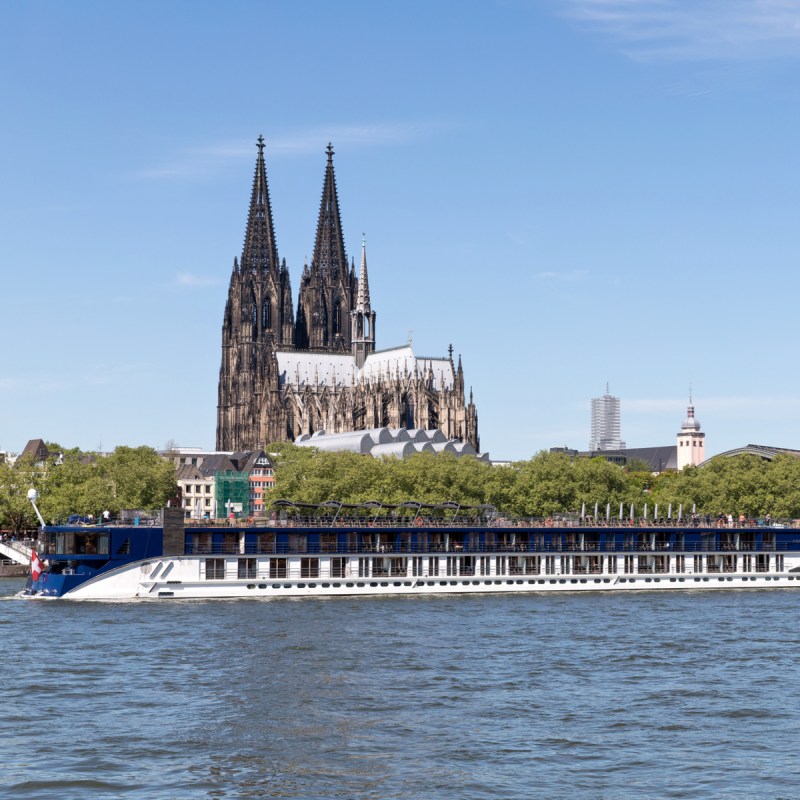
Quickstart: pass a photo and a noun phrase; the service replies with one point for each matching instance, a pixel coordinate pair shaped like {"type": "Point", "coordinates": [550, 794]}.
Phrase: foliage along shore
{"type": "Point", "coordinates": [545, 485]}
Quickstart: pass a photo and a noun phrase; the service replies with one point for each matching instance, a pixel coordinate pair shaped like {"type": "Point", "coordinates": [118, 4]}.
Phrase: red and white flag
{"type": "Point", "coordinates": [37, 568]}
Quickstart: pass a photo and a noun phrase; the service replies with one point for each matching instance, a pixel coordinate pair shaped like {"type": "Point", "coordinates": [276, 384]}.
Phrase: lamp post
{"type": "Point", "coordinates": [33, 496]}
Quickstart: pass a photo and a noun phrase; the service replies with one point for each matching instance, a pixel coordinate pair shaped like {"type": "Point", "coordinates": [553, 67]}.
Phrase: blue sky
{"type": "Point", "coordinates": [572, 193]}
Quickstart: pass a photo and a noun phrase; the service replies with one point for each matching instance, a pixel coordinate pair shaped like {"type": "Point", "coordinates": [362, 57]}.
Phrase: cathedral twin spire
{"type": "Point", "coordinates": [328, 290]}
{"type": "Point", "coordinates": [329, 258]}
{"type": "Point", "coordinates": [260, 249]}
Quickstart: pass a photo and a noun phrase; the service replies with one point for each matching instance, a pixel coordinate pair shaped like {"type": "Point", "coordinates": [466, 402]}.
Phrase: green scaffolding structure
{"type": "Point", "coordinates": [232, 493]}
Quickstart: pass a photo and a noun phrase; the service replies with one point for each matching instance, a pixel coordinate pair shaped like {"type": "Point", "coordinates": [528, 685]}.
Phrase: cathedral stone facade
{"type": "Point", "coordinates": [285, 374]}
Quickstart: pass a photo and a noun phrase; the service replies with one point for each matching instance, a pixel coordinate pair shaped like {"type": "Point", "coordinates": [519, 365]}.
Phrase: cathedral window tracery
{"type": "Point", "coordinates": [266, 315]}
{"type": "Point", "coordinates": [337, 318]}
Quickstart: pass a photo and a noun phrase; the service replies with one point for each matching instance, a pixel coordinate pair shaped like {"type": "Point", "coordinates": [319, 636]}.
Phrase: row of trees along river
{"type": "Point", "coordinates": [547, 484]}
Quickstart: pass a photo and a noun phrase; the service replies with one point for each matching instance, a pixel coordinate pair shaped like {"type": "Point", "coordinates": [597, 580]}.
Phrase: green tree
{"type": "Point", "coordinates": [16, 512]}
{"type": "Point", "coordinates": [140, 478]}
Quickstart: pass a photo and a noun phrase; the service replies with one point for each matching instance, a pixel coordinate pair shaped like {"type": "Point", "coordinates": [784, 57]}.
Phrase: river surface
{"type": "Point", "coordinates": [608, 695]}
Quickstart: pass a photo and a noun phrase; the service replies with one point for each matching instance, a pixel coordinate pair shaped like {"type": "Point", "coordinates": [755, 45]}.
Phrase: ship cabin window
{"type": "Point", "coordinates": [485, 565]}
{"type": "Point", "coordinates": [653, 564]}
{"type": "Point", "coordinates": [661, 541]}
{"type": "Point", "coordinates": [747, 541]}
{"type": "Point", "coordinates": [328, 543]}
{"type": "Point", "coordinates": [709, 541]}
{"type": "Point", "coordinates": [398, 566]}
{"type": "Point", "coordinates": [462, 565]}
{"type": "Point", "coordinates": [530, 565]}
{"type": "Point", "coordinates": [698, 564]}
{"type": "Point", "coordinates": [338, 568]}
{"type": "Point", "coordinates": [768, 541]}
{"type": "Point", "coordinates": [380, 567]}
{"type": "Point", "coordinates": [298, 543]}
{"type": "Point", "coordinates": [224, 543]}
{"type": "Point", "coordinates": [266, 543]}
{"type": "Point", "coordinates": [629, 568]}
{"type": "Point", "coordinates": [200, 543]}
{"type": "Point", "coordinates": [762, 562]}
{"type": "Point", "coordinates": [416, 566]}
{"type": "Point", "coordinates": [587, 565]}
{"type": "Point", "coordinates": [363, 568]}
{"type": "Point", "coordinates": [90, 544]}
{"type": "Point", "coordinates": [277, 568]}
{"type": "Point", "coordinates": [383, 543]}
{"type": "Point", "coordinates": [433, 565]}
{"type": "Point", "coordinates": [507, 541]}
{"type": "Point", "coordinates": [472, 541]}
{"type": "Point", "coordinates": [309, 568]}
{"type": "Point", "coordinates": [215, 569]}
{"type": "Point", "coordinates": [247, 568]}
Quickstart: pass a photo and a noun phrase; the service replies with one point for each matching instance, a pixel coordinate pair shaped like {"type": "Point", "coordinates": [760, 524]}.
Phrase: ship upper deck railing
{"type": "Point", "coordinates": [309, 521]}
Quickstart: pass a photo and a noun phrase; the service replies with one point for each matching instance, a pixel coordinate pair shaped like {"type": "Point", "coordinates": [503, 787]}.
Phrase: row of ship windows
{"type": "Point", "coordinates": [340, 567]}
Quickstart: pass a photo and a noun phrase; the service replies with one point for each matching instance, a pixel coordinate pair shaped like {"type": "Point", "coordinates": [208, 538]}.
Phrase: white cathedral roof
{"type": "Point", "coordinates": [339, 369]}
{"type": "Point", "coordinates": [397, 442]}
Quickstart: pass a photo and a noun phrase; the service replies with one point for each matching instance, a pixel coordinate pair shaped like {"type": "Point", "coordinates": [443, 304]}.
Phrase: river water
{"type": "Point", "coordinates": [608, 695]}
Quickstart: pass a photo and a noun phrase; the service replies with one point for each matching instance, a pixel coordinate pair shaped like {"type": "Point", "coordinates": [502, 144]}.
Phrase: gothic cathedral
{"type": "Point", "coordinates": [283, 375]}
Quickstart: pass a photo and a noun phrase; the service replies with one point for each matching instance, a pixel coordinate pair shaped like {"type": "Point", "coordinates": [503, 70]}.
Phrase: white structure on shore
{"type": "Point", "coordinates": [395, 442]}
{"type": "Point", "coordinates": [691, 441]}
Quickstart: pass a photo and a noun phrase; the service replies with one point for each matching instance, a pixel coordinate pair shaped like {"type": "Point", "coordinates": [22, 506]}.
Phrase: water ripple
{"type": "Point", "coordinates": [651, 695]}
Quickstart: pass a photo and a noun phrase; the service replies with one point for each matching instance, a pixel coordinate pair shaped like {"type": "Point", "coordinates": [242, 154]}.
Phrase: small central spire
{"type": "Point", "coordinates": [362, 299]}
{"type": "Point", "coordinates": [260, 145]}
{"type": "Point", "coordinates": [329, 151]}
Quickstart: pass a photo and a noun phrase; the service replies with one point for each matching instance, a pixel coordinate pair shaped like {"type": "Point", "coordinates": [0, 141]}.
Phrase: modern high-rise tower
{"type": "Point", "coordinates": [605, 424]}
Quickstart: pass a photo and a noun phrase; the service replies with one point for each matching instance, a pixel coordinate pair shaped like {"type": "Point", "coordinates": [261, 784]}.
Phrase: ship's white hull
{"type": "Point", "coordinates": [186, 577]}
